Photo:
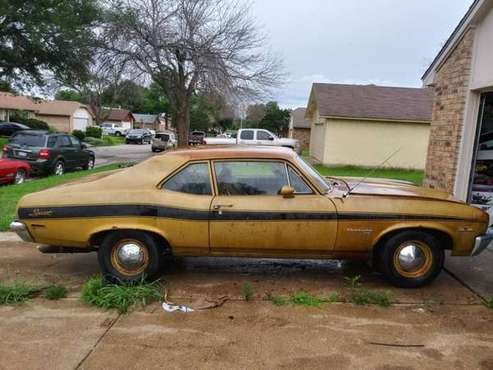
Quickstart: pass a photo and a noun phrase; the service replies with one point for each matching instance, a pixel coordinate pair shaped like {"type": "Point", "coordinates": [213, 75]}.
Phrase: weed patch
{"type": "Point", "coordinates": [55, 292]}
{"type": "Point", "coordinates": [333, 297]}
{"type": "Point", "coordinates": [121, 297]}
{"type": "Point", "coordinates": [489, 303]}
{"type": "Point", "coordinates": [247, 291]}
{"type": "Point", "coordinates": [278, 300]}
{"type": "Point", "coordinates": [362, 296]}
{"type": "Point", "coordinates": [16, 293]}
{"type": "Point", "coordinates": [306, 299]}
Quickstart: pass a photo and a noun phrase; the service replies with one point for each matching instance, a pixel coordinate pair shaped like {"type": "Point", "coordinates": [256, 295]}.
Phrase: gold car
{"type": "Point", "coordinates": [251, 202]}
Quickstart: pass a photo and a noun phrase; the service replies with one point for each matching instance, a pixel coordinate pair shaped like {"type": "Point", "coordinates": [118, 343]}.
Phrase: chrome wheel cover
{"type": "Point", "coordinates": [411, 257]}
{"type": "Point", "coordinates": [20, 176]}
{"type": "Point", "coordinates": [131, 256]}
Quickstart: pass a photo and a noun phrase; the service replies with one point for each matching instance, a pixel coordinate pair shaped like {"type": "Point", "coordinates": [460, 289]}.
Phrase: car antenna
{"type": "Point", "coordinates": [371, 172]}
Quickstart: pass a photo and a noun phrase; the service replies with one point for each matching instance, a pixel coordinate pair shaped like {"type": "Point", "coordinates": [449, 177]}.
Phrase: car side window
{"type": "Point", "coordinates": [52, 141]}
{"type": "Point", "coordinates": [193, 179]}
{"type": "Point", "coordinates": [246, 135]}
{"type": "Point", "coordinates": [263, 135]}
{"type": "Point", "coordinates": [63, 141]}
{"type": "Point", "coordinates": [75, 142]}
{"type": "Point", "coordinates": [250, 177]}
{"type": "Point", "coordinates": [297, 182]}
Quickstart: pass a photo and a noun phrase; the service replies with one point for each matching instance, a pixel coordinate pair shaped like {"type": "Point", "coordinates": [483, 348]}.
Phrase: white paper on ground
{"type": "Point", "coordinates": [175, 307]}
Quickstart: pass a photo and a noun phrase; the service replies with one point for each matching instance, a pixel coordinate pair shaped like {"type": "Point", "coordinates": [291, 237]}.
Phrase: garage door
{"type": "Point", "coordinates": [80, 123]}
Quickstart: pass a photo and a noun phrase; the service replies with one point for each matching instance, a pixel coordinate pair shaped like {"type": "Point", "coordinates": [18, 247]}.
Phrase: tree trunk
{"type": "Point", "coordinates": [183, 123]}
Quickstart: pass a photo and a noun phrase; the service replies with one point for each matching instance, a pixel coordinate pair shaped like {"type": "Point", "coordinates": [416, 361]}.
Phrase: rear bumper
{"type": "Point", "coordinates": [20, 229]}
{"type": "Point", "coordinates": [482, 242]}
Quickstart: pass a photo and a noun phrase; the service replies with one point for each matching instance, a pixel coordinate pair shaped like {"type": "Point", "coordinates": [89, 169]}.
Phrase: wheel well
{"type": "Point", "coordinates": [97, 238]}
{"type": "Point", "coordinates": [444, 239]}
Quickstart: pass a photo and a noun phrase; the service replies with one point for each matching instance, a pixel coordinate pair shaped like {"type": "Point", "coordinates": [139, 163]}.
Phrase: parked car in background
{"type": "Point", "coordinates": [10, 128]}
{"type": "Point", "coordinates": [138, 136]}
{"type": "Point", "coordinates": [113, 129]}
{"type": "Point", "coordinates": [196, 138]}
{"type": "Point", "coordinates": [255, 202]}
{"type": "Point", "coordinates": [49, 153]}
{"type": "Point", "coordinates": [250, 136]}
{"type": "Point", "coordinates": [164, 141]}
{"type": "Point", "coordinates": [13, 172]}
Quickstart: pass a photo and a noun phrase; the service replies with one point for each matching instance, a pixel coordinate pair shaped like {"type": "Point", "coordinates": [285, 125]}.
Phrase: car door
{"type": "Point", "coordinates": [67, 151]}
{"type": "Point", "coordinates": [184, 200]}
{"type": "Point", "coordinates": [264, 137]}
{"type": "Point", "coordinates": [81, 157]}
{"type": "Point", "coordinates": [248, 216]}
{"type": "Point", "coordinates": [246, 137]}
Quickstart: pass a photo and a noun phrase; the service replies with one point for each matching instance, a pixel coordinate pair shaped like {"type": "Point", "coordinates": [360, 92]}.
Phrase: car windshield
{"type": "Point", "coordinates": [313, 173]}
{"type": "Point", "coordinates": [28, 140]}
{"type": "Point", "coordinates": [138, 132]}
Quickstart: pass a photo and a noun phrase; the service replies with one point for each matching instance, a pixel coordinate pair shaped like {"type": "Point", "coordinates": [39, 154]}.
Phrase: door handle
{"type": "Point", "coordinates": [219, 206]}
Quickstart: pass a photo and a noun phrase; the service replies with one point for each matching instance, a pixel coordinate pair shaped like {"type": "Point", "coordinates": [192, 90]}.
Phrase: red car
{"type": "Point", "coordinates": [13, 172]}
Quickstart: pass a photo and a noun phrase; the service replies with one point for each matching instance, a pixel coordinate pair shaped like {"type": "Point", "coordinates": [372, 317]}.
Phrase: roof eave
{"type": "Point", "coordinates": [375, 119]}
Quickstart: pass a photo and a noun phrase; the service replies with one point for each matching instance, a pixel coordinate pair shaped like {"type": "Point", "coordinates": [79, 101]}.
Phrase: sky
{"type": "Point", "coordinates": [382, 42]}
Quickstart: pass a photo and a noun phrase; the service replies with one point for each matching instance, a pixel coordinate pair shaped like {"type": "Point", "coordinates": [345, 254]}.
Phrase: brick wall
{"type": "Point", "coordinates": [450, 91]}
{"type": "Point", "coordinates": [303, 135]}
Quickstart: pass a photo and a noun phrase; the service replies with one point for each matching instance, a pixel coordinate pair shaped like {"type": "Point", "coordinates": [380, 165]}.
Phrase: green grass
{"type": "Point", "coordinates": [121, 297]}
{"type": "Point", "coordinates": [247, 291]}
{"type": "Point", "coordinates": [306, 299]}
{"type": "Point", "coordinates": [489, 303]}
{"type": "Point", "coordinates": [16, 293]}
{"type": "Point", "coordinates": [55, 292]}
{"type": "Point", "coordinates": [3, 141]}
{"type": "Point", "coordinates": [362, 296]}
{"type": "Point", "coordinates": [10, 194]}
{"type": "Point", "coordinates": [415, 176]}
{"type": "Point", "coordinates": [105, 140]}
{"type": "Point", "coordinates": [277, 300]}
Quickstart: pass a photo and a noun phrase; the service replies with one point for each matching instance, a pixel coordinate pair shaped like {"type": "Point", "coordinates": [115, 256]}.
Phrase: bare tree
{"type": "Point", "coordinates": [188, 46]}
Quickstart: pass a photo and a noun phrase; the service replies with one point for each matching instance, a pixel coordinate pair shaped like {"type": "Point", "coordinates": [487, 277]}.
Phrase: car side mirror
{"type": "Point", "coordinates": [83, 146]}
{"type": "Point", "coordinates": [287, 191]}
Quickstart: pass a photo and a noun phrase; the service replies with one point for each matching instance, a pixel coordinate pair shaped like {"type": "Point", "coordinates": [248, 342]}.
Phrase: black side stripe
{"type": "Point", "coordinates": [135, 210]}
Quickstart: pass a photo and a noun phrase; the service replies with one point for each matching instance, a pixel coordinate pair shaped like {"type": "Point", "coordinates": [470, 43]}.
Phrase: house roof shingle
{"type": "Point", "coordinates": [11, 101]}
{"type": "Point", "coordinates": [299, 120]}
{"type": "Point", "coordinates": [118, 115]}
{"type": "Point", "coordinates": [58, 107]}
{"type": "Point", "coordinates": [373, 102]}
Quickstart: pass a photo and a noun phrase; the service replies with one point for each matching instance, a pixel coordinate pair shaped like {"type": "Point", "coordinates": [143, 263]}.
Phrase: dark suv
{"type": "Point", "coordinates": [49, 153]}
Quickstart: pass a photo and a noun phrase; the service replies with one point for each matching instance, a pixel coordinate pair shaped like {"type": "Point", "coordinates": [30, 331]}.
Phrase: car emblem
{"type": "Point", "coordinates": [39, 213]}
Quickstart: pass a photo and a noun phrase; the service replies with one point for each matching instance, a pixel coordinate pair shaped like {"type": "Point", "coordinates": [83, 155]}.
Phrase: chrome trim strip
{"type": "Point", "coordinates": [482, 242]}
{"type": "Point", "coordinates": [20, 229]}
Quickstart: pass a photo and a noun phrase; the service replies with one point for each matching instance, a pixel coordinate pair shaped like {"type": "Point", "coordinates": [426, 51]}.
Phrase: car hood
{"type": "Point", "coordinates": [393, 188]}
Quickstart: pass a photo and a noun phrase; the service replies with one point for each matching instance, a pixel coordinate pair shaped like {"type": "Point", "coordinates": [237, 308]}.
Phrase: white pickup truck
{"type": "Point", "coordinates": [255, 136]}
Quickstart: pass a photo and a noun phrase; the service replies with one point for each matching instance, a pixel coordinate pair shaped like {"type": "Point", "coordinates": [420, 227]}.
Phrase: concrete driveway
{"type": "Point", "coordinates": [122, 153]}
{"type": "Point", "coordinates": [444, 325]}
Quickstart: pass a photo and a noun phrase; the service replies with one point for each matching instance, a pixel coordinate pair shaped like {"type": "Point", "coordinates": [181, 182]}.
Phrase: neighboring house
{"type": "Point", "coordinates": [362, 125]}
{"type": "Point", "coordinates": [299, 127]}
{"type": "Point", "coordinates": [460, 154]}
{"type": "Point", "coordinates": [123, 117]}
{"type": "Point", "coordinates": [150, 121]}
{"type": "Point", "coordinates": [64, 116]}
{"type": "Point", "coordinates": [10, 103]}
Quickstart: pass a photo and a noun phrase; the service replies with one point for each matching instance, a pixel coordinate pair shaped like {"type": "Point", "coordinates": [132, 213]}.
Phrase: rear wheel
{"type": "Point", "coordinates": [411, 259]}
{"type": "Point", "coordinates": [129, 256]}
{"type": "Point", "coordinates": [20, 176]}
{"type": "Point", "coordinates": [59, 168]}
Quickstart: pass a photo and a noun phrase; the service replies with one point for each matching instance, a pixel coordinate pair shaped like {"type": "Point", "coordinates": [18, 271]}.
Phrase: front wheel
{"type": "Point", "coordinates": [89, 165]}
{"type": "Point", "coordinates": [118, 133]}
{"type": "Point", "coordinates": [20, 176]}
{"type": "Point", "coordinates": [129, 256]}
{"type": "Point", "coordinates": [411, 259]}
{"type": "Point", "coordinates": [59, 168]}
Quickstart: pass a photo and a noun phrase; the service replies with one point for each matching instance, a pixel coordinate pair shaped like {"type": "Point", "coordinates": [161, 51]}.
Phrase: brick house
{"type": "Point", "coordinates": [299, 127]}
{"type": "Point", "coordinates": [460, 151]}
{"type": "Point", "coordinates": [362, 125]}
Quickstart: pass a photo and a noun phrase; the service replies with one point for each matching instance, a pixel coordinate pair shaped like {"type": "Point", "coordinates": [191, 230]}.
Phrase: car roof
{"type": "Point", "coordinates": [235, 151]}
{"type": "Point", "coordinates": [32, 132]}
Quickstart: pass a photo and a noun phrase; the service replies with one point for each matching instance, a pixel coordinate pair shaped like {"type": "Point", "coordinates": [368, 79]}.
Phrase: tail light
{"type": "Point", "coordinates": [44, 154]}
{"type": "Point", "coordinates": [202, 141]}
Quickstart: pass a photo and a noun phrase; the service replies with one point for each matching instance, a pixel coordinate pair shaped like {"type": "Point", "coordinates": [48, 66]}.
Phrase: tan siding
{"type": "Point", "coordinates": [60, 123]}
{"type": "Point", "coordinates": [317, 138]}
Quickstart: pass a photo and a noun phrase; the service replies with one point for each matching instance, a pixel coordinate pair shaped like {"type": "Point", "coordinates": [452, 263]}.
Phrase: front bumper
{"type": "Point", "coordinates": [20, 229]}
{"type": "Point", "coordinates": [482, 242]}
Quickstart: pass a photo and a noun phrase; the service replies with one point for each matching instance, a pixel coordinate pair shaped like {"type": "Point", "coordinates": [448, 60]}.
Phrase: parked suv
{"type": "Point", "coordinates": [49, 153]}
{"type": "Point", "coordinates": [163, 141]}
